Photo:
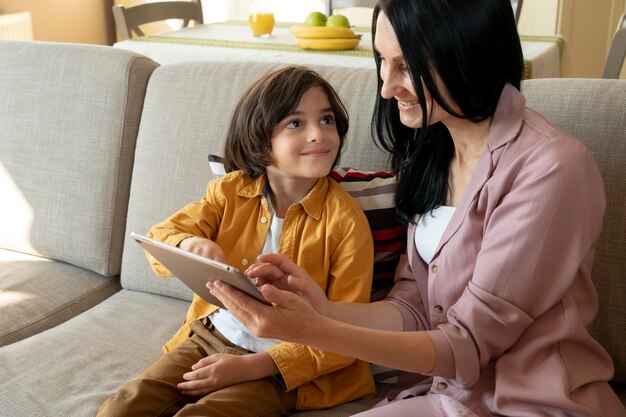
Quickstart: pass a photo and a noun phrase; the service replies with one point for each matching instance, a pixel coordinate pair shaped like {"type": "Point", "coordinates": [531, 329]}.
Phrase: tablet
{"type": "Point", "coordinates": [195, 270]}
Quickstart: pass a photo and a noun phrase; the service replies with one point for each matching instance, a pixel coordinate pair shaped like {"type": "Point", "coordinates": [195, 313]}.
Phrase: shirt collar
{"type": "Point", "coordinates": [254, 188]}
{"type": "Point", "coordinates": [507, 119]}
{"type": "Point", "coordinates": [312, 203]}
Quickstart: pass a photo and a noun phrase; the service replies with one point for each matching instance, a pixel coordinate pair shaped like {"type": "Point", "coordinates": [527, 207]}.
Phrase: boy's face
{"type": "Point", "coordinates": [305, 143]}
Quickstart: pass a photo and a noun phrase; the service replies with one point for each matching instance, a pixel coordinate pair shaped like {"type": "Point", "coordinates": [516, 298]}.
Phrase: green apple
{"type": "Point", "coordinates": [315, 19]}
{"type": "Point", "coordinates": [338, 20]}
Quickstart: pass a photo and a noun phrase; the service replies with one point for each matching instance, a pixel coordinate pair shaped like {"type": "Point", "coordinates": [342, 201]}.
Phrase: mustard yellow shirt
{"type": "Point", "coordinates": [327, 234]}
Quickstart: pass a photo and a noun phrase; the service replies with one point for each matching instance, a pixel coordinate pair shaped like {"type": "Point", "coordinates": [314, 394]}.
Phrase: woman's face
{"type": "Point", "coordinates": [397, 82]}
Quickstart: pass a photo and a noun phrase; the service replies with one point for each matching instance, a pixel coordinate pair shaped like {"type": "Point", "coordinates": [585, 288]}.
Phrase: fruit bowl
{"type": "Point", "coordinates": [325, 38]}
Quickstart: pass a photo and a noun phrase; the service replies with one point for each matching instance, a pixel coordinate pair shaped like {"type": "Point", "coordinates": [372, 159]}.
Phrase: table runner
{"type": "Point", "coordinates": [232, 40]}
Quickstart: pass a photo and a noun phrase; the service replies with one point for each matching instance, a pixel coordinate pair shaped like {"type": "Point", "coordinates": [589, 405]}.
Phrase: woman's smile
{"type": "Point", "coordinates": [407, 105]}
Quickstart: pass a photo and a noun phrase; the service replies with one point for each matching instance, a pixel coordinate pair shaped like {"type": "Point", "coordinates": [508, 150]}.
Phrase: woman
{"type": "Point", "coordinates": [503, 211]}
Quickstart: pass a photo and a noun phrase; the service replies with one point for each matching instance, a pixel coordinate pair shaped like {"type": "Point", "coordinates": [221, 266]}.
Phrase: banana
{"type": "Point", "coordinates": [328, 44]}
{"type": "Point", "coordinates": [322, 32]}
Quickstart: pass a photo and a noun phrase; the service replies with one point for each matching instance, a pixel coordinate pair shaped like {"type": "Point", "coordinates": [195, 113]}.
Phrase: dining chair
{"type": "Point", "coordinates": [617, 51]}
{"type": "Point", "coordinates": [340, 4]}
{"type": "Point", "coordinates": [517, 8]}
{"type": "Point", "coordinates": [128, 19]}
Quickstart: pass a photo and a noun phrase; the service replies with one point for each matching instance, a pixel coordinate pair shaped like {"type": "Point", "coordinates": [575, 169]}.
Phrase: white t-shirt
{"type": "Point", "coordinates": [430, 229]}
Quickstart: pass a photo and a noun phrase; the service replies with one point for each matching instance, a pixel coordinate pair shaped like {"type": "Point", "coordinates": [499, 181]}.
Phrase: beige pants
{"type": "Point", "coordinates": [154, 393]}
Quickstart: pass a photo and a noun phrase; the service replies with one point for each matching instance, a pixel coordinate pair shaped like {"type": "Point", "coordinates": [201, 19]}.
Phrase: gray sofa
{"type": "Point", "coordinates": [96, 142]}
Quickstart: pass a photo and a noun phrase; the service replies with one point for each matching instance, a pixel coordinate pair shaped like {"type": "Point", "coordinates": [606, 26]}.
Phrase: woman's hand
{"type": "Point", "coordinates": [282, 273]}
{"type": "Point", "coordinates": [222, 370]}
{"type": "Point", "coordinates": [289, 310]}
{"type": "Point", "coordinates": [203, 247]}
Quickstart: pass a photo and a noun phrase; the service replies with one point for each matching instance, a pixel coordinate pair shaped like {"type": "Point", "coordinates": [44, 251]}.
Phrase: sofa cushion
{"type": "Point", "coordinates": [38, 293]}
{"type": "Point", "coordinates": [188, 102]}
{"type": "Point", "coordinates": [593, 111]}
{"type": "Point", "coordinates": [71, 369]}
{"type": "Point", "coordinates": [68, 126]}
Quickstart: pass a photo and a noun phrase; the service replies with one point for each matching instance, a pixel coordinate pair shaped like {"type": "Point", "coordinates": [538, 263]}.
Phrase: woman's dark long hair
{"type": "Point", "coordinates": [474, 47]}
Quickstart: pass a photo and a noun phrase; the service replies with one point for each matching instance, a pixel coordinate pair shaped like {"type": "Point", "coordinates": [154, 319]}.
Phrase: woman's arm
{"type": "Point", "coordinates": [282, 273]}
{"type": "Point", "coordinates": [380, 315]}
{"type": "Point", "coordinates": [409, 351]}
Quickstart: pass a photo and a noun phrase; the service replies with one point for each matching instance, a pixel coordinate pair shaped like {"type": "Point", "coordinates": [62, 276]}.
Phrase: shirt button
{"type": "Point", "coordinates": [442, 386]}
{"type": "Point", "coordinates": [263, 219]}
{"type": "Point", "coordinates": [438, 309]}
{"type": "Point", "coordinates": [244, 262]}
{"type": "Point", "coordinates": [434, 269]}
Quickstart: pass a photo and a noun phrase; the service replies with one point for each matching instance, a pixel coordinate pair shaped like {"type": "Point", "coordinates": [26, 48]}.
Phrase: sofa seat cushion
{"type": "Point", "coordinates": [71, 369]}
{"type": "Point", "coordinates": [92, 355]}
{"type": "Point", "coordinates": [38, 293]}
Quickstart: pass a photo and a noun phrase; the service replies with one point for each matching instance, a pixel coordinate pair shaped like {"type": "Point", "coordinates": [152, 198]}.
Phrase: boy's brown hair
{"type": "Point", "coordinates": [265, 103]}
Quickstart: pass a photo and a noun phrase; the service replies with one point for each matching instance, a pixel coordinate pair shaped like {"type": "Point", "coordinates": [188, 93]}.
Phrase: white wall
{"type": "Point", "coordinates": [294, 11]}
{"type": "Point", "coordinates": [284, 10]}
{"type": "Point", "coordinates": [539, 17]}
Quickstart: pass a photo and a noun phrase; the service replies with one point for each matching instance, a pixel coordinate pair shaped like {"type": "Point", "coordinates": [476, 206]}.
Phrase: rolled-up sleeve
{"type": "Point", "coordinates": [195, 219]}
{"type": "Point", "coordinates": [406, 297]}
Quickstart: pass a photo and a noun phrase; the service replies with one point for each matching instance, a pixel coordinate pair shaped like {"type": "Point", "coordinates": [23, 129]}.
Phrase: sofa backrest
{"type": "Point", "coordinates": [594, 111]}
{"type": "Point", "coordinates": [186, 113]}
{"type": "Point", "coordinates": [69, 116]}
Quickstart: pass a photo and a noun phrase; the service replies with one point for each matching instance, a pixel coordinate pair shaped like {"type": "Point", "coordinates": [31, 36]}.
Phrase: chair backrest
{"type": "Point", "coordinates": [517, 8]}
{"type": "Point", "coordinates": [617, 52]}
{"type": "Point", "coordinates": [593, 111]}
{"type": "Point", "coordinates": [128, 20]}
{"type": "Point", "coordinates": [340, 4]}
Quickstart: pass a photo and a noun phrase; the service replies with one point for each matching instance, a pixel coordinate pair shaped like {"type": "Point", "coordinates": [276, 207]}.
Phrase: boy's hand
{"type": "Point", "coordinates": [222, 370]}
{"type": "Point", "coordinates": [203, 247]}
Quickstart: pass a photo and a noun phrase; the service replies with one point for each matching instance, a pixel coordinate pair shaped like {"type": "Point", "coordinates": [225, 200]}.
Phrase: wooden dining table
{"type": "Point", "coordinates": [233, 41]}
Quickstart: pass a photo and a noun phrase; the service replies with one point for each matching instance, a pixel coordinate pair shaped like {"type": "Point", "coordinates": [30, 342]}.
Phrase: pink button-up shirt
{"type": "Point", "coordinates": [508, 297]}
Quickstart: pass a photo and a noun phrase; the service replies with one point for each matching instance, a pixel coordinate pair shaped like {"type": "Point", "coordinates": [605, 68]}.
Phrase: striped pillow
{"type": "Point", "coordinates": [374, 191]}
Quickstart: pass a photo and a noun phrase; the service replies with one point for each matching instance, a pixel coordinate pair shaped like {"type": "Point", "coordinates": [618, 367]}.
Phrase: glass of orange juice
{"type": "Point", "coordinates": [261, 18]}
